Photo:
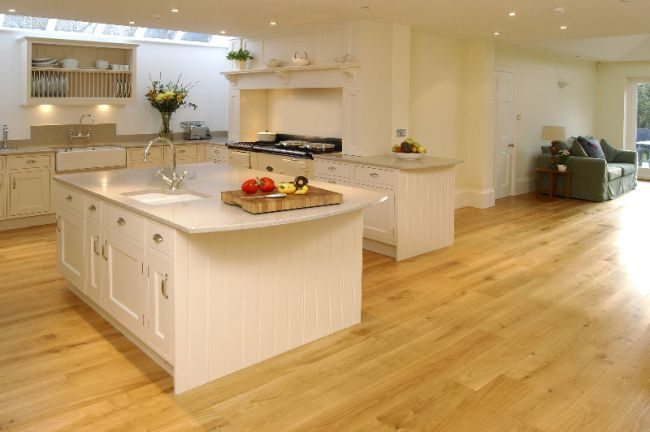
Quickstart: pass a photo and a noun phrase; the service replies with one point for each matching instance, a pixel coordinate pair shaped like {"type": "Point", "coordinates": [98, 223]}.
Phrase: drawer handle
{"type": "Point", "coordinates": [269, 168]}
{"type": "Point", "coordinates": [92, 207]}
{"type": "Point", "coordinates": [13, 183]}
{"type": "Point", "coordinates": [96, 245]}
{"type": "Point", "coordinates": [68, 198]}
{"type": "Point", "coordinates": [332, 182]}
{"type": "Point", "coordinates": [163, 286]}
{"type": "Point", "coordinates": [181, 151]}
{"type": "Point", "coordinates": [104, 248]}
{"type": "Point", "coordinates": [121, 221]}
{"type": "Point", "coordinates": [332, 168]}
{"type": "Point", "coordinates": [157, 238]}
{"type": "Point", "coordinates": [31, 161]}
{"type": "Point", "coordinates": [373, 174]}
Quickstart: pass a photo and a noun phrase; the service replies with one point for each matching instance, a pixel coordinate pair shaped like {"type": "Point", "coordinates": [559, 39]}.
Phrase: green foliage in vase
{"type": "Point", "coordinates": [240, 54]}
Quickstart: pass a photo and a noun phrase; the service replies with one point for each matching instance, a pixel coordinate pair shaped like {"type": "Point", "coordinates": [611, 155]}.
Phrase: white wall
{"type": "Point", "coordinates": [612, 83]}
{"type": "Point", "coordinates": [540, 101]}
{"type": "Point", "coordinates": [197, 64]}
{"type": "Point", "coordinates": [315, 112]}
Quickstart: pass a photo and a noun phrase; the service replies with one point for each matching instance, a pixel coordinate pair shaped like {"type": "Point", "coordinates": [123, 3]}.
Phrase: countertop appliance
{"type": "Point", "coordinates": [195, 130]}
{"type": "Point", "coordinates": [291, 145]}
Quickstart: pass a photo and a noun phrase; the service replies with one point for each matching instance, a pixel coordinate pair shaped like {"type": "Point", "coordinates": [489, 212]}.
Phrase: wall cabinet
{"type": "Point", "coordinates": [85, 85]}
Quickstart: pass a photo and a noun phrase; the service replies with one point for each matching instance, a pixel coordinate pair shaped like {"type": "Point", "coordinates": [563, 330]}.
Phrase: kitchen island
{"type": "Point", "coordinates": [204, 288]}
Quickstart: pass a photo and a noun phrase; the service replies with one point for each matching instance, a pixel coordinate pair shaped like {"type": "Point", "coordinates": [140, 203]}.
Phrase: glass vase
{"type": "Point", "coordinates": [165, 127]}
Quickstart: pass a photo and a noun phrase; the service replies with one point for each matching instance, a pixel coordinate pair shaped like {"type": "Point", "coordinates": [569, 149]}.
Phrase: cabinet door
{"type": "Point", "coordinates": [379, 220]}
{"type": "Point", "coordinates": [94, 264]}
{"type": "Point", "coordinates": [297, 167]}
{"type": "Point", "coordinates": [239, 158]}
{"type": "Point", "coordinates": [2, 194]}
{"type": "Point", "coordinates": [29, 193]}
{"type": "Point", "coordinates": [70, 244]}
{"type": "Point", "coordinates": [160, 312]}
{"type": "Point", "coordinates": [125, 282]}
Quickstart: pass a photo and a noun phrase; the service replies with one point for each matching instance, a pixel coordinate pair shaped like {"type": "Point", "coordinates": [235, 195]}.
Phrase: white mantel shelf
{"type": "Point", "coordinates": [350, 70]}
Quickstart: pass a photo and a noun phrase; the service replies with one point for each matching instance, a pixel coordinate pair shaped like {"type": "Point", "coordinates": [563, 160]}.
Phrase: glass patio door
{"type": "Point", "coordinates": [638, 128]}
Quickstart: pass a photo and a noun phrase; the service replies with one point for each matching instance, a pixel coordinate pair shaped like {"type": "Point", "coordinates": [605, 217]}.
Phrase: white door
{"type": "Point", "coordinates": [29, 193]}
{"type": "Point", "coordinates": [638, 125]}
{"type": "Point", "coordinates": [70, 244]}
{"type": "Point", "coordinates": [504, 131]}
{"type": "Point", "coordinates": [125, 283]}
{"type": "Point", "coordinates": [94, 264]}
{"type": "Point", "coordinates": [160, 312]}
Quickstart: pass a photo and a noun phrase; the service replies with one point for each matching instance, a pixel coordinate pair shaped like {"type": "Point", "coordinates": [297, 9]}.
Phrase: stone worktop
{"type": "Point", "coordinates": [390, 161]}
{"type": "Point", "coordinates": [208, 214]}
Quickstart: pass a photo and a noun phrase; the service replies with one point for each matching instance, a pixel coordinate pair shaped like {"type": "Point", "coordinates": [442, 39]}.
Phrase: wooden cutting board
{"type": "Point", "coordinates": [256, 203]}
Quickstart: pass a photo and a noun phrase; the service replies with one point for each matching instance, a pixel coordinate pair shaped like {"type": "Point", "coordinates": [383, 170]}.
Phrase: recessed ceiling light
{"type": "Point", "coordinates": [11, 10]}
{"type": "Point", "coordinates": [131, 22]}
{"type": "Point", "coordinates": [174, 10]}
{"type": "Point", "coordinates": [512, 14]}
{"type": "Point", "coordinates": [222, 32]}
{"type": "Point", "coordinates": [559, 11]}
{"type": "Point", "coordinates": [273, 23]}
{"type": "Point", "coordinates": [496, 34]}
{"type": "Point", "coordinates": [365, 8]}
{"type": "Point", "coordinates": [563, 27]}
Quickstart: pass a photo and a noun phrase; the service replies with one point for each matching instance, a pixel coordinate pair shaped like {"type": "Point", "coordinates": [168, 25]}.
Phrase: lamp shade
{"type": "Point", "coordinates": [553, 133]}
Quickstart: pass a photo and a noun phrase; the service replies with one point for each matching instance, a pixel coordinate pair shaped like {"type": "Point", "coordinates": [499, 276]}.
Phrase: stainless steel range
{"type": "Point", "coordinates": [291, 145]}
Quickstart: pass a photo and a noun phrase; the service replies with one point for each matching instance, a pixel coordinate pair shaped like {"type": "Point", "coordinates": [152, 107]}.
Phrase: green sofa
{"type": "Point", "coordinates": [594, 179]}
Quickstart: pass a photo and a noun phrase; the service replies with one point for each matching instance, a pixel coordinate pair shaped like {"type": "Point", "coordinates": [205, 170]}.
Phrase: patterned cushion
{"type": "Point", "coordinates": [592, 147]}
{"type": "Point", "coordinates": [577, 150]}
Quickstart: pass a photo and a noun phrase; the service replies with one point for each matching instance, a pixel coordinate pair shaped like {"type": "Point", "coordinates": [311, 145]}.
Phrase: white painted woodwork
{"type": "Point", "coordinates": [3, 189]}
{"type": "Point", "coordinates": [28, 161]}
{"type": "Point", "coordinates": [124, 222]}
{"type": "Point", "coordinates": [217, 153]}
{"type": "Point", "coordinates": [160, 309]}
{"type": "Point", "coordinates": [135, 157]}
{"type": "Point", "coordinates": [125, 282]}
{"type": "Point", "coordinates": [70, 199]}
{"type": "Point", "coordinates": [29, 192]}
{"type": "Point", "coordinates": [82, 86]}
{"type": "Point", "coordinates": [416, 218]}
{"type": "Point", "coordinates": [284, 165]}
{"type": "Point", "coordinates": [70, 246]}
{"type": "Point", "coordinates": [242, 159]}
{"type": "Point", "coordinates": [504, 137]}
{"type": "Point", "coordinates": [94, 264]}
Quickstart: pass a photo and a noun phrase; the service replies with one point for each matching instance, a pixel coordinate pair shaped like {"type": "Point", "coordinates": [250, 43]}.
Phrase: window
{"type": "Point", "coordinates": [197, 37]}
{"type": "Point", "coordinates": [75, 26]}
{"type": "Point", "coordinates": [118, 30]}
{"type": "Point", "coordinates": [638, 124]}
{"type": "Point", "coordinates": [24, 22]}
{"type": "Point", "coordinates": [159, 34]}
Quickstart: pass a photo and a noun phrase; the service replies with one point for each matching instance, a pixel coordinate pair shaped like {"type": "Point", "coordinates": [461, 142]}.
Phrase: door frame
{"type": "Point", "coordinates": [513, 152]}
{"type": "Point", "coordinates": [629, 137]}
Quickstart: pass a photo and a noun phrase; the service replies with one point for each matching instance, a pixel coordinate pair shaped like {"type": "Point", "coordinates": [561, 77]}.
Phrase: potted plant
{"type": "Point", "coordinates": [167, 98]}
{"type": "Point", "coordinates": [241, 56]}
{"type": "Point", "coordinates": [562, 159]}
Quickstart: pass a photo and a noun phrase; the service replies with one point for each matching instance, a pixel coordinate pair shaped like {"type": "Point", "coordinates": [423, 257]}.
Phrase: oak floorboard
{"type": "Point", "coordinates": [537, 319]}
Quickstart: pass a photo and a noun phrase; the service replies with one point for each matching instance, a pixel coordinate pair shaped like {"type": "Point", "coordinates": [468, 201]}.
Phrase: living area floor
{"type": "Point", "coordinates": [537, 319]}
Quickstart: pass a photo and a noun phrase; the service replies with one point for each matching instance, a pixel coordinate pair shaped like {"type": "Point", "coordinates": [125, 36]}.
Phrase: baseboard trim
{"type": "Point", "coordinates": [379, 247]}
{"type": "Point", "coordinates": [524, 185]}
{"type": "Point", "coordinates": [27, 222]}
{"type": "Point", "coordinates": [477, 198]}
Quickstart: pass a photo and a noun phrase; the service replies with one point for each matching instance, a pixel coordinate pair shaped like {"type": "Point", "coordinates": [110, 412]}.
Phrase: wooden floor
{"type": "Point", "coordinates": [537, 319]}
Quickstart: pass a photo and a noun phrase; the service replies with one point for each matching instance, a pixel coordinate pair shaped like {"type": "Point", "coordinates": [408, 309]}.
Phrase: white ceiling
{"type": "Point", "coordinates": [535, 24]}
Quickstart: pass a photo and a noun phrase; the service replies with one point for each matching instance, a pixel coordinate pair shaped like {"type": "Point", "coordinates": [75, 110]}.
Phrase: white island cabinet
{"type": "Point", "coordinates": [204, 288]}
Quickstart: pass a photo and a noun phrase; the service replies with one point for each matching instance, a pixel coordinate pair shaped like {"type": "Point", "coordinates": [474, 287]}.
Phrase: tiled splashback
{"type": "Point", "coordinates": [57, 135]}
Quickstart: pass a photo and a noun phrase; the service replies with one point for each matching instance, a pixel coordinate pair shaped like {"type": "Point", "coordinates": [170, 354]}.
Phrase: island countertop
{"type": "Point", "coordinates": [390, 161]}
{"type": "Point", "coordinates": [208, 214]}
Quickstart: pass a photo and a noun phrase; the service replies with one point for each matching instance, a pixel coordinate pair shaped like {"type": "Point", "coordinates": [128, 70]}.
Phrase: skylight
{"type": "Point", "coordinates": [51, 25]}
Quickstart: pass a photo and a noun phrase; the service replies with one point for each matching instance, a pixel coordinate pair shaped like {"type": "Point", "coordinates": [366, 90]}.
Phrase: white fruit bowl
{"type": "Point", "coordinates": [411, 156]}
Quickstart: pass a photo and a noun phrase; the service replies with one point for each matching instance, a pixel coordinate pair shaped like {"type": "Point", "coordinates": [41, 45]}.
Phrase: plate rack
{"type": "Point", "coordinates": [80, 83]}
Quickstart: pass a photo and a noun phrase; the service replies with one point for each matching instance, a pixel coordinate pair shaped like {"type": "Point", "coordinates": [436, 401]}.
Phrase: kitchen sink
{"type": "Point", "coordinates": [73, 159]}
{"type": "Point", "coordinates": [162, 197]}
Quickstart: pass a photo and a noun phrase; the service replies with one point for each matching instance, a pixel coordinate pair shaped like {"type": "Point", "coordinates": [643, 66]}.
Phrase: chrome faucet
{"type": "Point", "coordinates": [5, 137]}
{"type": "Point", "coordinates": [72, 134]}
{"type": "Point", "coordinates": [174, 179]}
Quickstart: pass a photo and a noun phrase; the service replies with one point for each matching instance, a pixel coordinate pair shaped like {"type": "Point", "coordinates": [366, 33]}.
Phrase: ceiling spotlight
{"type": "Point", "coordinates": [563, 27]}
{"type": "Point", "coordinates": [512, 14]}
{"type": "Point", "coordinates": [174, 10]}
{"type": "Point", "coordinates": [222, 32]}
{"type": "Point", "coordinates": [559, 11]}
{"type": "Point", "coordinates": [11, 10]}
{"type": "Point", "coordinates": [273, 23]}
{"type": "Point", "coordinates": [131, 22]}
{"type": "Point", "coordinates": [365, 8]}
{"type": "Point", "coordinates": [496, 34]}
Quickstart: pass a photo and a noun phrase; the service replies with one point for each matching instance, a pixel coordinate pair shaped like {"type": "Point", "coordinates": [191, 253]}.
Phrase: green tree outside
{"type": "Point", "coordinates": [643, 116]}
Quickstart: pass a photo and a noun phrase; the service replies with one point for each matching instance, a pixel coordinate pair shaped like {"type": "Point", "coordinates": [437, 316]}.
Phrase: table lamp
{"type": "Point", "coordinates": [553, 134]}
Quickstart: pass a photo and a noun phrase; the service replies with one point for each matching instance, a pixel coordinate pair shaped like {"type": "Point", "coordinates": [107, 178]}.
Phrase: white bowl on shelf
{"type": "Point", "coordinates": [70, 63]}
{"type": "Point", "coordinates": [101, 64]}
{"type": "Point", "coordinates": [409, 156]}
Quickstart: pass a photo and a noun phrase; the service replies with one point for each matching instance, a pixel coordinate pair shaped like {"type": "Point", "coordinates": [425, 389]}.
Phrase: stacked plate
{"type": "Point", "coordinates": [50, 86]}
{"type": "Point", "coordinates": [45, 62]}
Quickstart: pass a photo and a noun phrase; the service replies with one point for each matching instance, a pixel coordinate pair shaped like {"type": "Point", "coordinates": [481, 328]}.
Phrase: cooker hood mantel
{"type": "Point", "coordinates": [315, 76]}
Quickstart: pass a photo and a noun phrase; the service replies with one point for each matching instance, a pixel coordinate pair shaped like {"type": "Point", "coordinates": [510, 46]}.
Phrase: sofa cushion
{"type": "Point", "coordinates": [592, 147]}
{"type": "Point", "coordinates": [577, 150]}
{"type": "Point", "coordinates": [610, 151]}
{"type": "Point", "coordinates": [614, 172]}
{"type": "Point", "coordinates": [626, 168]}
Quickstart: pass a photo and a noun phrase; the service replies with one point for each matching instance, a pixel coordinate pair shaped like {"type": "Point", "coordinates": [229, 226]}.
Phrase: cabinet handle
{"type": "Point", "coordinates": [68, 198]}
{"type": "Point", "coordinates": [269, 168]}
{"type": "Point", "coordinates": [96, 245]}
{"type": "Point", "coordinates": [104, 247]}
{"type": "Point", "coordinates": [31, 161]}
{"type": "Point", "coordinates": [121, 221]}
{"type": "Point", "coordinates": [157, 238]}
{"type": "Point", "coordinates": [92, 207]}
{"type": "Point", "coordinates": [374, 174]}
{"type": "Point", "coordinates": [13, 183]}
{"type": "Point", "coordinates": [332, 168]}
{"type": "Point", "coordinates": [181, 151]}
{"type": "Point", "coordinates": [163, 286]}
{"type": "Point", "coordinates": [332, 182]}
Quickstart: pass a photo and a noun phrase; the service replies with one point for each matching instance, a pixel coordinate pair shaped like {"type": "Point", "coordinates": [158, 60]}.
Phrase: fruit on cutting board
{"type": "Point", "coordinates": [286, 187]}
{"type": "Point", "coordinates": [409, 145]}
{"type": "Point", "coordinates": [250, 186]}
{"type": "Point", "coordinates": [266, 184]}
{"type": "Point", "coordinates": [303, 190]}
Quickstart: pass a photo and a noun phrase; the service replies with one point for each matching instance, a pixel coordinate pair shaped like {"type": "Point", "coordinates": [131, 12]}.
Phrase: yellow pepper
{"type": "Point", "coordinates": [303, 190]}
{"type": "Point", "coordinates": [287, 188]}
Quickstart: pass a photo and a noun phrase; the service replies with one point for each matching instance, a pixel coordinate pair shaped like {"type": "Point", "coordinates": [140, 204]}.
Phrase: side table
{"type": "Point", "coordinates": [553, 175]}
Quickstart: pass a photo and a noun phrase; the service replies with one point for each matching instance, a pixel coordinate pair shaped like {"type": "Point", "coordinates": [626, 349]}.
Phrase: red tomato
{"type": "Point", "coordinates": [249, 186]}
{"type": "Point", "coordinates": [266, 184]}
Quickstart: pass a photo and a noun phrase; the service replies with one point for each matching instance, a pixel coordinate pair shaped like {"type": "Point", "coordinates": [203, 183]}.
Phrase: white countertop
{"type": "Point", "coordinates": [390, 161]}
{"type": "Point", "coordinates": [209, 214]}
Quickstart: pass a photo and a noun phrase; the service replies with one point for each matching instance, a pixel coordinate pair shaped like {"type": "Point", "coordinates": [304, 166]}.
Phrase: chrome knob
{"type": "Point", "coordinates": [157, 238]}
{"type": "Point", "coordinates": [121, 221]}
{"type": "Point", "coordinates": [92, 207]}
{"type": "Point", "coordinates": [68, 198]}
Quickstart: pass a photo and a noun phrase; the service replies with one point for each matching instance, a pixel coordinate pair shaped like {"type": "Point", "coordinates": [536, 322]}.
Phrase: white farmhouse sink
{"type": "Point", "coordinates": [158, 197]}
{"type": "Point", "coordinates": [72, 159]}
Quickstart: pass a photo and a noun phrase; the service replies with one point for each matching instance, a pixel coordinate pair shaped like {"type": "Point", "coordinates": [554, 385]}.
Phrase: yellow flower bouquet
{"type": "Point", "coordinates": [168, 98]}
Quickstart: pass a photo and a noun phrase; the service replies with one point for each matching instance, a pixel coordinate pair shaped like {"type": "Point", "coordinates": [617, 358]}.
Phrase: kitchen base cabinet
{"type": "Point", "coordinates": [216, 153]}
{"type": "Point", "coordinates": [2, 187]}
{"type": "Point", "coordinates": [29, 179]}
{"type": "Point", "coordinates": [242, 159]}
{"type": "Point", "coordinates": [160, 316]}
{"type": "Point", "coordinates": [70, 246]}
{"type": "Point", "coordinates": [379, 220]}
{"type": "Point", "coordinates": [286, 165]}
{"type": "Point", "coordinates": [95, 253]}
